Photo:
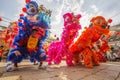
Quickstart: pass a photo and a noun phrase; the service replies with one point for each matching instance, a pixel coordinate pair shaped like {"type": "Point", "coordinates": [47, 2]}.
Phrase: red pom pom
{"type": "Point", "coordinates": [24, 9]}
{"type": "Point", "coordinates": [0, 19]}
{"type": "Point", "coordinates": [27, 1]}
{"type": "Point", "coordinates": [109, 20]}
{"type": "Point", "coordinates": [19, 20]}
{"type": "Point", "coordinates": [21, 14]}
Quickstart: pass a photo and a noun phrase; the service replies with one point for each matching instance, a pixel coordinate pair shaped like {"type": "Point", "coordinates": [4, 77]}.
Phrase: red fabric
{"type": "Point", "coordinates": [23, 42]}
{"type": "Point", "coordinates": [1, 52]}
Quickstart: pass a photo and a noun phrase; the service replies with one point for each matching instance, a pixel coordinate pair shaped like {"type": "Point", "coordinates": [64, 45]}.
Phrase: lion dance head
{"type": "Point", "coordinates": [100, 24]}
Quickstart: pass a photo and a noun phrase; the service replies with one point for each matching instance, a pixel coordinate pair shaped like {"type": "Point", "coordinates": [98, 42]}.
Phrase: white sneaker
{"type": "Point", "coordinates": [10, 67]}
{"type": "Point", "coordinates": [36, 63]}
{"type": "Point", "coordinates": [41, 66]}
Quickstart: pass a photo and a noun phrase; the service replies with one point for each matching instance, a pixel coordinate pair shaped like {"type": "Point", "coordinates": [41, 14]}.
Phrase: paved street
{"type": "Point", "coordinates": [28, 71]}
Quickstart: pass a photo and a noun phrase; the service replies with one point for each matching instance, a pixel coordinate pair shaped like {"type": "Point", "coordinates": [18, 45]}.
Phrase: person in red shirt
{"type": "Point", "coordinates": [1, 52]}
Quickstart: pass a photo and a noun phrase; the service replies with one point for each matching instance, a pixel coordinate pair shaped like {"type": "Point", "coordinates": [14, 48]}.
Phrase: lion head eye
{"type": "Point", "coordinates": [31, 5]}
{"type": "Point", "coordinates": [32, 9]}
{"type": "Point", "coordinates": [66, 19]}
{"type": "Point", "coordinates": [98, 21]}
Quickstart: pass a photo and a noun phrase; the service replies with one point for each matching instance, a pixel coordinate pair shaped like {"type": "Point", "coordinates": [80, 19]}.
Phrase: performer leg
{"type": "Point", "coordinates": [69, 58]}
{"type": "Point", "coordinates": [13, 58]}
{"type": "Point", "coordinates": [0, 58]}
{"type": "Point", "coordinates": [95, 59]}
{"type": "Point", "coordinates": [76, 58]}
{"type": "Point", "coordinates": [58, 57]}
{"type": "Point", "coordinates": [87, 57]}
{"type": "Point", "coordinates": [50, 55]}
{"type": "Point", "coordinates": [40, 56]}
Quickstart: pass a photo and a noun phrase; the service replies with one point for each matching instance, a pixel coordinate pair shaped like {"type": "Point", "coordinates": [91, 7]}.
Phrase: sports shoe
{"type": "Point", "coordinates": [10, 67]}
{"type": "Point", "coordinates": [41, 66]}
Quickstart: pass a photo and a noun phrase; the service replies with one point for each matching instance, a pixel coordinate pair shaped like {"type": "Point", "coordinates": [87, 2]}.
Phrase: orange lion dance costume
{"type": "Point", "coordinates": [85, 43]}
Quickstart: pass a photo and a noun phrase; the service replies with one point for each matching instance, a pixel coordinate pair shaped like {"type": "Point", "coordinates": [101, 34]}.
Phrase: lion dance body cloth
{"type": "Point", "coordinates": [85, 43]}
{"type": "Point", "coordinates": [59, 49]}
{"type": "Point", "coordinates": [33, 31]}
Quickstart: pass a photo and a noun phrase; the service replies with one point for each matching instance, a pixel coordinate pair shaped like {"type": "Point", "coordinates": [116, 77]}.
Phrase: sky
{"type": "Point", "coordinates": [10, 10]}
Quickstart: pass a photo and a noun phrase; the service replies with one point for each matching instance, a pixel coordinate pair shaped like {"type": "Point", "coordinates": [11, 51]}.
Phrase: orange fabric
{"type": "Point", "coordinates": [95, 59]}
{"type": "Point", "coordinates": [87, 57]}
{"type": "Point", "coordinates": [85, 42]}
{"type": "Point", "coordinates": [105, 47]}
{"type": "Point", "coordinates": [90, 58]}
{"type": "Point", "coordinates": [84, 39]}
{"type": "Point", "coordinates": [98, 22]}
{"type": "Point", "coordinates": [76, 57]}
{"type": "Point", "coordinates": [100, 57]}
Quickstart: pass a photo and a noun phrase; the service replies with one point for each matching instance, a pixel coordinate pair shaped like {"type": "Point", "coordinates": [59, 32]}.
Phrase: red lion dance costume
{"type": "Point", "coordinates": [85, 43]}
{"type": "Point", "coordinates": [59, 49]}
{"type": "Point", "coordinates": [103, 48]}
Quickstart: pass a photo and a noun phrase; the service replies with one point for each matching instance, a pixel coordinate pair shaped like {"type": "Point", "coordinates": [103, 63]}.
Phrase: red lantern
{"type": "Point", "coordinates": [109, 20]}
{"type": "Point", "coordinates": [21, 14]}
{"type": "Point", "coordinates": [24, 9]}
{"type": "Point", "coordinates": [27, 1]}
{"type": "Point", "coordinates": [0, 19]}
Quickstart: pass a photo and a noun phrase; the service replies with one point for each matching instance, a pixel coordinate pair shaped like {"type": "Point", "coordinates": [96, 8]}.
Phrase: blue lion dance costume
{"type": "Point", "coordinates": [37, 20]}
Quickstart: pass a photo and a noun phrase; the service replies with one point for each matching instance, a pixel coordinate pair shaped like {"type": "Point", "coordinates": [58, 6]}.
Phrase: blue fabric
{"type": "Point", "coordinates": [29, 8]}
{"type": "Point", "coordinates": [25, 28]}
{"type": "Point", "coordinates": [31, 2]}
{"type": "Point", "coordinates": [14, 58]}
{"type": "Point", "coordinates": [44, 20]}
{"type": "Point", "coordinates": [24, 54]}
{"type": "Point", "coordinates": [38, 55]}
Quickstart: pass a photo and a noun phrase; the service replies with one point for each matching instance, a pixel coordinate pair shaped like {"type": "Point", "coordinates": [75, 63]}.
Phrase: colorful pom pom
{"type": "Point", "coordinates": [27, 1]}
{"type": "Point", "coordinates": [109, 20]}
{"type": "Point", "coordinates": [24, 9]}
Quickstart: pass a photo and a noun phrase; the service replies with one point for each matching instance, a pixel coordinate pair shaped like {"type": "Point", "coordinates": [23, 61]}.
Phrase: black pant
{"type": "Point", "coordinates": [0, 58]}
